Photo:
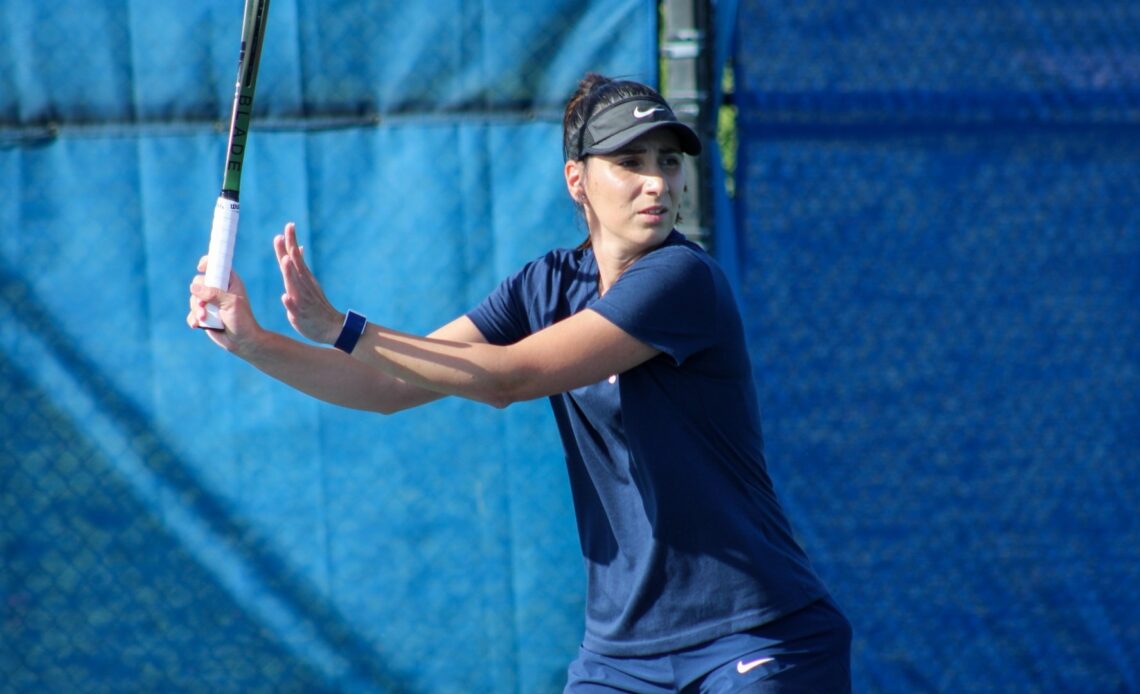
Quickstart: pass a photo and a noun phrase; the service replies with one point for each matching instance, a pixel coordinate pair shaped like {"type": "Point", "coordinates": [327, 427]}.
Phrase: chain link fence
{"type": "Point", "coordinates": [941, 261]}
{"type": "Point", "coordinates": [172, 520]}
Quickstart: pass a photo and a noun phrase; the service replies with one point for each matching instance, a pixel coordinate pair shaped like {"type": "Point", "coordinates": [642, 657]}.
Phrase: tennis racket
{"type": "Point", "coordinates": [223, 231]}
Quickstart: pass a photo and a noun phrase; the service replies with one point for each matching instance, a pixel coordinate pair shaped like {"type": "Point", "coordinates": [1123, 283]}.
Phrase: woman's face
{"type": "Point", "coordinates": [632, 196]}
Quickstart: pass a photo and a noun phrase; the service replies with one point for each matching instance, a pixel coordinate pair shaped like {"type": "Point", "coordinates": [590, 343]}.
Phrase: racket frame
{"type": "Point", "coordinates": [227, 209]}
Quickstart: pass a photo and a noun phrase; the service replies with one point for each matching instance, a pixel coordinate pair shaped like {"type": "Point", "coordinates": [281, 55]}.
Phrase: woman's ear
{"type": "Point", "coordinates": [576, 180]}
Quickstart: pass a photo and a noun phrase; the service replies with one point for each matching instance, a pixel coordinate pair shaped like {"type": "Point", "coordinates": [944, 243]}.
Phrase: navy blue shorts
{"type": "Point", "coordinates": [806, 651]}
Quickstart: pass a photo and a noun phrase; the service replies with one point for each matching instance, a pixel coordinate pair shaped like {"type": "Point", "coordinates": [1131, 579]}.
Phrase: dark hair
{"type": "Point", "coordinates": [594, 93]}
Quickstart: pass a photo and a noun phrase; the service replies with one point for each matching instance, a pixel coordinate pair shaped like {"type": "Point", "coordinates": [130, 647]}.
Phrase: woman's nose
{"type": "Point", "coordinates": [655, 182]}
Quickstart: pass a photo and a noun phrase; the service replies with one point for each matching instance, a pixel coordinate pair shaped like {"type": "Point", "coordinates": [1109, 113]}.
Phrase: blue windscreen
{"type": "Point", "coordinates": [940, 266]}
{"type": "Point", "coordinates": [170, 518]}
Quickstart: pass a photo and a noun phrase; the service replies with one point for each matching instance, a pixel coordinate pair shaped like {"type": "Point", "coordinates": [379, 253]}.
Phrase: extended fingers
{"type": "Point", "coordinates": [295, 250]}
{"type": "Point", "coordinates": [295, 271]}
{"type": "Point", "coordinates": [285, 243]}
{"type": "Point", "coordinates": [289, 275]}
{"type": "Point", "coordinates": [286, 248]}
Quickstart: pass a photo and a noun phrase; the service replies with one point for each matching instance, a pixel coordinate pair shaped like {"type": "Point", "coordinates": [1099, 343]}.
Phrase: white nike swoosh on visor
{"type": "Point", "coordinates": [638, 113]}
{"type": "Point", "coordinates": [744, 668]}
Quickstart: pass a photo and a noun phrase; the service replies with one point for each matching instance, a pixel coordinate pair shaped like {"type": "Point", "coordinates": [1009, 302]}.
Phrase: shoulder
{"type": "Point", "coordinates": [541, 292]}
{"type": "Point", "coordinates": [554, 262]}
{"type": "Point", "coordinates": [679, 251]}
{"type": "Point", "coordinates": [679, 265]}
{"type": "Point", "coordinates": [672, 298]}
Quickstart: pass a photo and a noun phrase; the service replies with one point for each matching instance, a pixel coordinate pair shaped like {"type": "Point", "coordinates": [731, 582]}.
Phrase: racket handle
{"type": "Point", "coordinates": [223, 234]}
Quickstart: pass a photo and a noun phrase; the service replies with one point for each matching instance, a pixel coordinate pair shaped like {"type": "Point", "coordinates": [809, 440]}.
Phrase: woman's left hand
{"type": "Point", "coordinates": [306, 306]}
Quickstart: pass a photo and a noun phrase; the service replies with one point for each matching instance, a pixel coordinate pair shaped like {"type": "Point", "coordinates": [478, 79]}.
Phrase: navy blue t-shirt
{"type": "Point", "coordinates": [683, 536]}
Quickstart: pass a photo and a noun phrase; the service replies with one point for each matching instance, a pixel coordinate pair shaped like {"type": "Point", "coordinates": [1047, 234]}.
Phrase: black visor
{"type": "Point", "coordinates": [622, 122]}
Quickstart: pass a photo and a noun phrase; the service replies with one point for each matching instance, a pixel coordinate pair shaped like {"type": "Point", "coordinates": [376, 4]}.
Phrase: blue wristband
{"type": "Point", "coordinates": [353, 328]}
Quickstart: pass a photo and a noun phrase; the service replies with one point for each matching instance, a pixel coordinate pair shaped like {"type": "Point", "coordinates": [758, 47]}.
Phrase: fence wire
{"type": "Point", "coordinates": [940, 265]}
{"type": "Point", "coordinates": [171, 520]}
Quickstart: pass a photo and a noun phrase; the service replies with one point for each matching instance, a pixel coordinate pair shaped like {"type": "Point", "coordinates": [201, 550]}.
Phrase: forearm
{"type": "Point", "coordinates": [332, 376]}
{"type": "Point", "coordinates": [571, 353]}
{"type": "Point", "coordinates": [472, 370]}
{"type": "Point", "coordinates": [456, 359]}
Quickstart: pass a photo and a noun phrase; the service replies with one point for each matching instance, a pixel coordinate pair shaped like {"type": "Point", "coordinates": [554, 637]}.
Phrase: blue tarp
{"type": "Point", "coordinates": [940, 253]}
{"type": "Point", "coordinates": [171, 519]}
{"type": "Point", "coordinates": [934, 246]}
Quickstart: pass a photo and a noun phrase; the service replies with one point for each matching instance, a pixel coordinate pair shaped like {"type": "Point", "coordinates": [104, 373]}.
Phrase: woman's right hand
{"type": "Point", "coordinates": [241, 328]}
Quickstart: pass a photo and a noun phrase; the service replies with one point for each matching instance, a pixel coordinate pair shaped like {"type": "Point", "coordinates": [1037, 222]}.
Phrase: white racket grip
{"type": "Point", "coordinates": [223, 234]}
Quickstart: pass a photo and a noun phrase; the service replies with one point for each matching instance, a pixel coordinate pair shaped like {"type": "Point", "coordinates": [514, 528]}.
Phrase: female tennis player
{"type": "Point", "coordinates": [695, 580]}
